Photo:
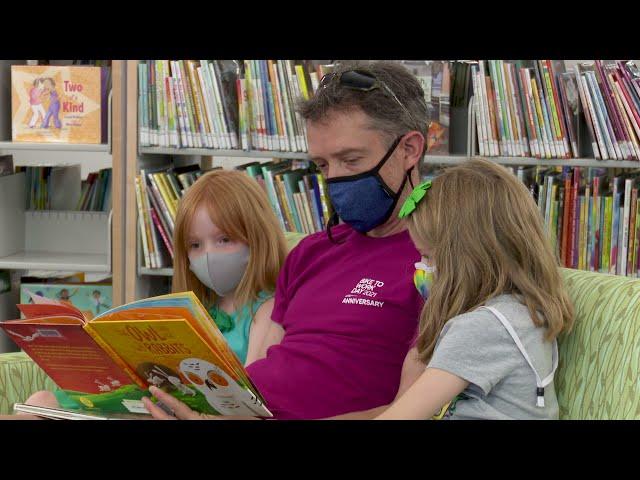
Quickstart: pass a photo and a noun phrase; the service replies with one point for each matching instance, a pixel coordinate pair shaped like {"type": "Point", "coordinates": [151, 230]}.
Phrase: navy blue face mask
{"type": "Point", "coordinates": [364, 201]}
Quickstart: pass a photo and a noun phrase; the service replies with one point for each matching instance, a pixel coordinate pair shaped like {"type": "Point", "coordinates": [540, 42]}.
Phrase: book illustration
{"type": "Point", "coordinates": [106, 363]}
{"type": "Point", "coordinates": [162, 376]}
{"type": "Point", "coordinates": [36, 97]}
{"type": "Point", "coordinates": [218, 388]}
{"type": "Point", "coordinates": [58, 104]}
{"type": "Point", "coordinates": [90, 299]}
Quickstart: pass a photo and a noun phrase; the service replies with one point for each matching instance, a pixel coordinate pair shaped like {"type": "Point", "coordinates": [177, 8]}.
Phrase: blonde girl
{"type": "Point", "coordinates": [229, 249]}
{"type": "Point", "coordinates": [486, 346]}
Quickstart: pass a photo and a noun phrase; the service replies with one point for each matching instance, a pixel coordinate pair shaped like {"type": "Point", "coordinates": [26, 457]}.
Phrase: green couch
{"type": "Point", "coordinates": [599, 361]}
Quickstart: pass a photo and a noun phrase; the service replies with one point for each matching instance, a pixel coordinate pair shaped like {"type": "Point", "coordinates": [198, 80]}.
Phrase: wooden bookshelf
{"type": "Point", "coordinates": [109, 257]}
{"type": "Point", "coordinates": [139, 280]}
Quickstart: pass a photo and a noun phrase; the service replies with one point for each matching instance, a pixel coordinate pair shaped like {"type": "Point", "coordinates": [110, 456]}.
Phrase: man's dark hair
{"type": "Point", "coordinates": [385, 113]}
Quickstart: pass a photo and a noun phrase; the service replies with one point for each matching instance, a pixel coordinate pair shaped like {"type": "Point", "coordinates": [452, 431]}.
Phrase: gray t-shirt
{"type": "Point", "coordinates": [475, 346]}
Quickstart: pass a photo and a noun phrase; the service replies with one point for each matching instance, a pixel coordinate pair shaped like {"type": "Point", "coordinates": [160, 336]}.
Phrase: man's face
{"type": "Point", "coordinates": [343, 144]}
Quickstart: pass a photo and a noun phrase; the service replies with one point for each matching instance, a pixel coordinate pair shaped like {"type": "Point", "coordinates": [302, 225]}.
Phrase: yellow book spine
{"type": "Point", "coordinates": [297, 198]}
{"type": "Point", "coordinates": [307, 210]}
{"type": "Point", "coordinates": [167, 196]}
{"type": "Point", "coordinates": [148, 221]}
{"type": "Point", "coordinates": [324, 198]}
{"type": "Point", "coordinates": [583, 229]}
{"type": "Point", "coordinates": [279, 183]}
{"type": "Point", "coordinates": [114, 356]}
{"type": "Point", "coordinates": [536, 98]}
{"type": "Point", "coordinates": [302, 81]}
{"type": "Point", "coordinates": [143, 229]}
{"type": "Point", "coordinates": [198, 97]}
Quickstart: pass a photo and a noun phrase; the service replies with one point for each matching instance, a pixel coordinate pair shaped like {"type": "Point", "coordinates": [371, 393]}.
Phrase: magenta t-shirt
{"type": "Point", "coordinates": [350, 312]}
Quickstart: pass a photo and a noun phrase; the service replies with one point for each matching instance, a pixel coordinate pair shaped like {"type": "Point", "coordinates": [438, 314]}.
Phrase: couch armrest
{"type": "Point", "coordinates": [20, 377]}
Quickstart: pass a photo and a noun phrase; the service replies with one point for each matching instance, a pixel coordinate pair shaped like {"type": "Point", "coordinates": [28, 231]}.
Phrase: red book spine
{"type": "Point", "coordinates": [616, 120]}
{"type": "Point", "coordinates": [621, 81]}
{"type": "Point", "coordinates": [163, 234]}
{"type": "Point", "coordinates": [575, 219]}
{"type": "Point", "coordinates": [565, 220]}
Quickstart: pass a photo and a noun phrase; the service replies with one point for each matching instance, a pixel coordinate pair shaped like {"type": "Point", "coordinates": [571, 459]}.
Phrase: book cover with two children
{"type": "Point", "coordinates": [62, 104]}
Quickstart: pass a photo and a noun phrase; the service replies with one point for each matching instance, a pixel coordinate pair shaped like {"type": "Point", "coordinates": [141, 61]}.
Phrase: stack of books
{"type": "Point", "coordinates": [610, 97]}
{"type": "Point", "coordinates": [60, 188]}
{"type": "Point", "coordinates": [157, 196]}
{"type": "Point", "coordinates": [525, 109]}
{"type": "Point", "coordinates": [186, 103]}
{"type": "Point", "coordinates": [592, 215]}
{"type": "Point", "coordinates": [297, 193]}
{"type": "Point", "coordinates": [268, 91]}
{"type": "Point", "coordinates": [225, 104]}
{"type": "Point", "coordinates": [95, 192]}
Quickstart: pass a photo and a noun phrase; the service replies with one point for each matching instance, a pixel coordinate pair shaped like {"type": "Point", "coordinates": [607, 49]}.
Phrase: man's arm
{"type": "Point", "coordinates": [264, 333]}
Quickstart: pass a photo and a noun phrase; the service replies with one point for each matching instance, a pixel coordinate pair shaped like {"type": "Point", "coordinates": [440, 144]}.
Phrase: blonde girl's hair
{"type": "Point", "coordinates": [485, 237]}
{"type": "Point", "coordinates": [239, 207]}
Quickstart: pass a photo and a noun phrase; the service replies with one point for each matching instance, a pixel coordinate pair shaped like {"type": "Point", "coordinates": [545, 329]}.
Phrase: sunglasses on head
{"type": "Point", "coordinates": [363, 81]}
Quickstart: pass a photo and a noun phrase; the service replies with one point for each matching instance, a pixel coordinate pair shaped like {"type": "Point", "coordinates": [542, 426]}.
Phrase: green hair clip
{"type": "Point", "coordinates": [414, 198]}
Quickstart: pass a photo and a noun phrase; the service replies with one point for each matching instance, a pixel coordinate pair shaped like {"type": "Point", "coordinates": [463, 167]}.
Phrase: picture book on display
{"type": "Point", "coordinates": [90, 299]}
{"type": "Point", "coordinates": [105, 365]}
{"type": "Point", "coordinates": [61, 104]}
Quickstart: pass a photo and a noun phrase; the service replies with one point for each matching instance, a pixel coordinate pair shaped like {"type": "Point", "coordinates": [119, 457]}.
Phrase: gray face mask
{"type": "Point", "coordinates": [221, 272]}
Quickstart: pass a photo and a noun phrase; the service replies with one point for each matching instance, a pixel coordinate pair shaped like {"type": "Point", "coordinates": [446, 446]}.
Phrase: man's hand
{"type": "Point", "coordinates": [179, 409]}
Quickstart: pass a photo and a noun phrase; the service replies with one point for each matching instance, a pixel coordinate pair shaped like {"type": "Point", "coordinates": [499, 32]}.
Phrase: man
{"type": "Point", "coordinates": [346, 310]}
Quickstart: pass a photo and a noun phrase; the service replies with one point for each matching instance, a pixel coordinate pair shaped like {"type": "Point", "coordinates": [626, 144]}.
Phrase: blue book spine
{"type": "Point", "coordinates": [265, 98]}
{"type": "Point", "coordinates": [272, 110]}
{"type": "Point", "coordinates": [318, 201]}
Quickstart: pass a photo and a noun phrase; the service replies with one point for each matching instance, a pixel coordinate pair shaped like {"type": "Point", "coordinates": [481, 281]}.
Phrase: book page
{"type": "Point", "coordinates": [74, 362]}
{"type": "Point", "coordinates": [171, 355]}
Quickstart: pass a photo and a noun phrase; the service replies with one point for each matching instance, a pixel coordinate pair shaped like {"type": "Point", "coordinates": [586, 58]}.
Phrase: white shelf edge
{"type": "Point", "coordinates": [56, 261]}
{"type": "Point", "coordinates": [569, 162]}
{"type": "Point", "coordinates": [63, 147]}
{"type": "Point", "coordinates": [159, 272]}
{"type": "Point", "coordinates": [222, 153]}
{"type": "Point", "coordinates": [439, 159]}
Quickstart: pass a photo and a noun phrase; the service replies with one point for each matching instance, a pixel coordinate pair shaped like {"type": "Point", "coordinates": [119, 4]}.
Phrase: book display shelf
{"type": "Point", "coordinates": [62, 240]}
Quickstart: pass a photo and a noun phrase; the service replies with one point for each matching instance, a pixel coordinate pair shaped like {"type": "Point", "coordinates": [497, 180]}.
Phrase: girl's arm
{"type": "Point", "coordinates": [263, 334]}
{"type": "Point", "coordinates": [412, 368]}
{"type": "Point", "coordinates": [422, 400]}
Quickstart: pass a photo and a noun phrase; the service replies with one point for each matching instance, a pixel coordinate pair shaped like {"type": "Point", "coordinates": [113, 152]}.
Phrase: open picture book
{"type": "Point", "coordinates": [105, 365]}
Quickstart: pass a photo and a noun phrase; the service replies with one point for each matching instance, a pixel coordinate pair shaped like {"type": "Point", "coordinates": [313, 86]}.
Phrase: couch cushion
{"type": "Point", "coordinates": [20, 377]}
{"type": "Point", "coordinates": [599, 364]}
